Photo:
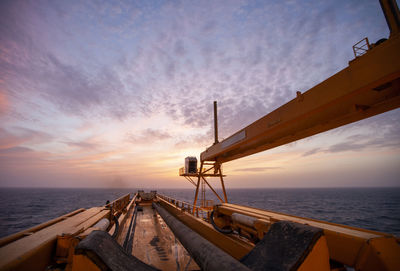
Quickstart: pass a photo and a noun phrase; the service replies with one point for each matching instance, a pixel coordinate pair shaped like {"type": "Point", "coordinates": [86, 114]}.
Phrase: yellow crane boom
{"type": "Point", "coordinates": [370, 85]}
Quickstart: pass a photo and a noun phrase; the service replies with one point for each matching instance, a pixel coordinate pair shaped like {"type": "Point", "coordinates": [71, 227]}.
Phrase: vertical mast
{"type": "Point", "coordinates": [215, 123]}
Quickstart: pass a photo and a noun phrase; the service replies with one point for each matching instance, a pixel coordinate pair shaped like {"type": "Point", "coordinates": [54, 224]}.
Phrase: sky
{"type": "Point", "coordinates": [117, 93]}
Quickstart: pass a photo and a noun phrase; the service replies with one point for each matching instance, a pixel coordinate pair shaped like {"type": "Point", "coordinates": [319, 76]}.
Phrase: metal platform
{"type": "Point", "coordinates": [156, 245]}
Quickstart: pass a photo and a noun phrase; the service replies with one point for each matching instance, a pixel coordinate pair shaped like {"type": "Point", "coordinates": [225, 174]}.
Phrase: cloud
{"type": "Point", "coordinates": [233, 52]}
{"type": "Point", "coordinates": [83, 145]}
{"type": "Point", "coordinates": [195, 140]}
{"type": "Point", "coordinates": [12, 158]}
{"type": "Point", "coordinates": [256, 169]}
{"type": "Point", "coordinates": [15, 136]}
{"type": "Point", "coordinates": [3, 101]}
{"type": "Point", "coordinates": [147, 136]}
{"type": "Point", "coordinates": [30, 68]}
{"type": "Point", "coordinates": [380, 132]}
{"type": "Point", "coordinates": [113, 64]}
{"type": "Point", "coordinates": [311, 152]}
{"type": "Point", "coordinates": [347, 146]}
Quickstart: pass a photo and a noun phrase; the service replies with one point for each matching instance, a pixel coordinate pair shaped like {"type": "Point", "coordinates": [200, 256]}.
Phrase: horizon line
{"type": "Point", "coordinates": [233, 188]}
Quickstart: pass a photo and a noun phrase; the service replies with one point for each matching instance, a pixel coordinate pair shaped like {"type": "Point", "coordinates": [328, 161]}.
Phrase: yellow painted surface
{"type": "Point", "coordinates": [38, 247]}
{"type": "Point", "coordinates": [83, 263]}
{"type": "Point", "coordinates": [318, 258]}
{"type": "Point", "coordinates": [8, 239]}
{"type": "Point", "coordinates": [347, 245]}
{"type": "Point", "coordinates": [379, 254]}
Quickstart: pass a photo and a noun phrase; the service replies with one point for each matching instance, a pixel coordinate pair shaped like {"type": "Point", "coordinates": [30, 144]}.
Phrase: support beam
{"type": "Point", "coordinates": [223, 185]}
{"type": "Point", "coordinates": [392, 15]}
{"type": "Point", "coordinates": [190, 180]}
{"type": "Point", "coordinates": [197, 188]}
{"type": "Point", "coordinates": [212, 189]}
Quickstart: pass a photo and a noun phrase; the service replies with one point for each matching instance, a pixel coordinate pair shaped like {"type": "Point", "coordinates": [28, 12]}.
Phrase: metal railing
{"type": "Point", "coordinates": [361, 47]}
{"type": "Point", "coordinates": [187, 207]}
{"type": "Point", "coordinates": [119, 204]}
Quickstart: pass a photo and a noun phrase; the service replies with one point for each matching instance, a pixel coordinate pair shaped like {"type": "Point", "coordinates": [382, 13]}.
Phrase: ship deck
{"type": "Point", "coordinates": [155, 244]}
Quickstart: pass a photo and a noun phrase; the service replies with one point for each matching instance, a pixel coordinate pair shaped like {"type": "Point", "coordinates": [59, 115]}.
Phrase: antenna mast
{"type": "Point", "coordinates": [215, 123]}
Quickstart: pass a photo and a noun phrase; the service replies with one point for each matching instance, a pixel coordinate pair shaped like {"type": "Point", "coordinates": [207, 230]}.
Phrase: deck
{"type": "Point", "coordinates": [155, 244]}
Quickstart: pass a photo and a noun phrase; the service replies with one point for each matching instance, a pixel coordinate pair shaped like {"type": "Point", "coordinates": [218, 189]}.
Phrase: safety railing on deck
{"type": "Point", "coordinates": [119, 204]}
{"type": "Point", "coordinates": [361, 47]}
{"type": "Point", "coordinates": [187, 207]}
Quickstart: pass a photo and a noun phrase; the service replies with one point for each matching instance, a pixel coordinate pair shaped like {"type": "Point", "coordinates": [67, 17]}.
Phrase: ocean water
{"type": "Point", "coordinates": [371, 208]}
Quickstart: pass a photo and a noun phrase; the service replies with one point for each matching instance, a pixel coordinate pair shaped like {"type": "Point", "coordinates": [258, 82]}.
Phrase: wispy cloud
{"type": "Point", "coordinates": [83, 145]}
{"type": "Point", "coordinates": [112, 66]}
{"type": "Point", "coordinates": [147, 136]}
{"type": "Point", "coordinates": [16, 136]}
{"type": "Point", "coordinates": [257, 169]}
{"type": "Point", "coordinates": [382, 134]}
{"type": "Point", "coordinates": [311, 152]}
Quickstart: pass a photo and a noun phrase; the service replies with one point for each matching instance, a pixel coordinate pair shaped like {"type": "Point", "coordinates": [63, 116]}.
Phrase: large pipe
{"type": "Point", "coordinates": [102, 225]}
{"type": "Point", "coordinates": [392, 15]}
{"type": "Point", "coordinates": [206, 255]}
{"type": "Point", "coordinates": [215, 123]}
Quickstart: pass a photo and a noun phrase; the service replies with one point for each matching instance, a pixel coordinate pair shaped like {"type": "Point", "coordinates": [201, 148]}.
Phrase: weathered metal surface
{"type": "Point", "coordinates": [106, 254]}
{"type": "Point", "coordinates": [102, 225]}
{"type": "Point", "coordinates": [207, 256]}
{"type": "Point", "coordinates": [11, 238]}
{"type": "Point", "coordinates": [122, 220]}
{"type": "Point", "coordinates": [118, 205]}
{"type": "Point", "coordinates": [235, 247]}
{"type": "Point", "coordinates": [155, 244]}
{"type": "Point", "coordinates": [287, 246]}
{"type": "Point", "coordinates": [34, 252]}
{"type": "Point", "coordinates": [347, 245]}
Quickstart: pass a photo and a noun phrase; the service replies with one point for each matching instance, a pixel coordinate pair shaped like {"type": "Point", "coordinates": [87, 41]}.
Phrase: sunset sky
{"type": "Point", "coordinates": [118, 93]}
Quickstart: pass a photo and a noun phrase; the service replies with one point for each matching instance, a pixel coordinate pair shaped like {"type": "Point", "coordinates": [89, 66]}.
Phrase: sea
{"type": "Point", "coordinates": [370, 208]}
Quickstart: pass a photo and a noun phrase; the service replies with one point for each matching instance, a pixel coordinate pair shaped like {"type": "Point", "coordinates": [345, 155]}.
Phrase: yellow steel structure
{"type": "Point", "coordinates": [370, 85]}
{"type": "Point", "coordinates": [54, 241]}
{"type": "Point", "coordinates": [213, 170]}
{"type": "Point", "coordinates": [355, 247]}
{"type": "Point", "coordinates": [392, 15]}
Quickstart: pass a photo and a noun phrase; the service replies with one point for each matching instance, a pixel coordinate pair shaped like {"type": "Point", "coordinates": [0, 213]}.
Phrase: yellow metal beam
{"type": "Point", "coordinates": [392, 15]}
{"type": "Point", "coordinates": [34, 252]}
{"type": "Point", "coordinates": [222, 184]}
{"type": "Point", "coordinates": [212, 189]}
{"type": "Point", "coordinates": [370, 85]}
{"type": "Point", "coordinates": [11, 238]}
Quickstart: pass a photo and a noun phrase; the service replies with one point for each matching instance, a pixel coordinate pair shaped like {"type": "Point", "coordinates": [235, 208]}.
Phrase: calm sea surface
{"type": "Point", "coordinates": [371, 208]}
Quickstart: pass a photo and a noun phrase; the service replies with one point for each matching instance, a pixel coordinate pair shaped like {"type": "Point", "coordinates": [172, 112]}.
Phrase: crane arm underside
{"type": "Point", "coordinates": [370, 85]}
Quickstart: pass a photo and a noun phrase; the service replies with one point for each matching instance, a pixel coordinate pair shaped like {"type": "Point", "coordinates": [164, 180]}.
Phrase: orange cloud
{"type": "Point", "coordinates": [4, 103]}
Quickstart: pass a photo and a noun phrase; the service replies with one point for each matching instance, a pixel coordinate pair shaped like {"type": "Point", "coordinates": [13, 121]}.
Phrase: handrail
{"type": "Point", "coordinates": [361, 47]}
{"type": "Point", "coordinates": [185, 206]}
{"type": "Point", "coordinates": [119, 204]}
{"type": "Point", "coordinates": [122, 218]}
